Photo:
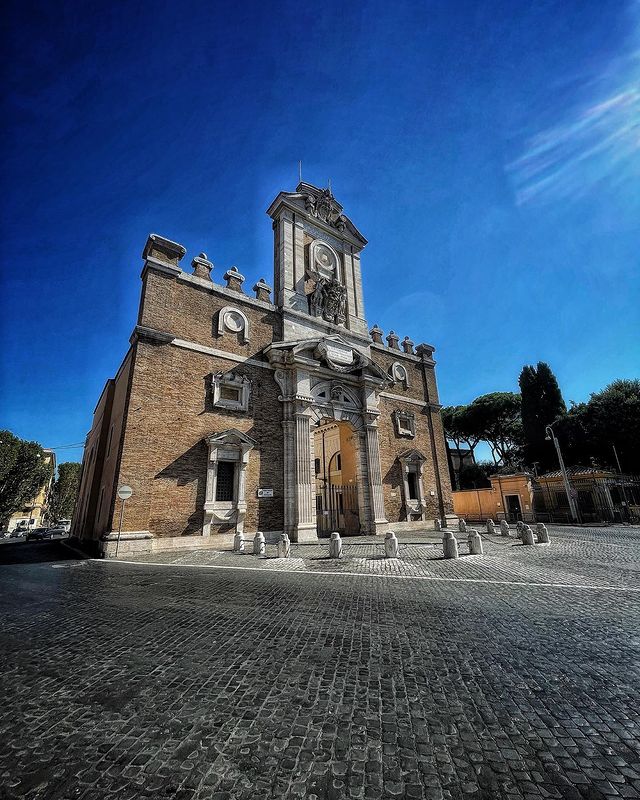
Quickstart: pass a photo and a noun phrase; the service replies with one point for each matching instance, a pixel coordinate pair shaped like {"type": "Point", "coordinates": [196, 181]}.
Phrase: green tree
{"type": "Point", "coordinates": [497, 421]}
{"type": "Point", "coordinates": [542, 404]}
{"type": "Point", "coordinates": [65, 491]}
{"type": "Point", "coordinates": [450, 415]}
{"type": "Point", "coordinates": [476, 476]}
{"type": "Point", "coordinates": [589, 431]}
{"type": "Point", "coordinates": [460, 427]}
{"type": "Point", "coordinates": [612, 418]}
{"type": "Point", "coordinates": [23, 472]}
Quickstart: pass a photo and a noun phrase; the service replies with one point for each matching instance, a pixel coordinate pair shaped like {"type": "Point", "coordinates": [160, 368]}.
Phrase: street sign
{"type": "Point", "coordinates": [265, 492]}
{"type": "Point", "coordinates": [125, 492]}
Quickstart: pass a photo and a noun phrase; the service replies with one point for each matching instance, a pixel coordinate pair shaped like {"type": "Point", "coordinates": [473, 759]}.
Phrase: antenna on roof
{"type": "Point", "coordinates": [330, 193]}
{"type": "Point", "coordinates": [299, 171]}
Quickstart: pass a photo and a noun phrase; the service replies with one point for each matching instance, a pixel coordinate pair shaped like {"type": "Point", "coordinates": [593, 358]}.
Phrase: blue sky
{"type": "Point", "coordinates": [489, 151]}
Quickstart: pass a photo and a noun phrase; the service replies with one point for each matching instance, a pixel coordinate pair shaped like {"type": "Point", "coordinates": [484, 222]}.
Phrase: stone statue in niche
{"type": "Point", "coordinates": [328, 300]}
{"type": "Point", "coordinates": [317, 298]}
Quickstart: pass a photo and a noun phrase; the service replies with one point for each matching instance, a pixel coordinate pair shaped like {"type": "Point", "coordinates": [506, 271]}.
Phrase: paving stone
{"type": "Point", "coordinates": [434, 680]}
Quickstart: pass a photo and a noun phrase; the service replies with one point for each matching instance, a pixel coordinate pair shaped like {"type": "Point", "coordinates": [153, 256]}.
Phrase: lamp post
{"type": "Point", "coordinates": [572, 504]}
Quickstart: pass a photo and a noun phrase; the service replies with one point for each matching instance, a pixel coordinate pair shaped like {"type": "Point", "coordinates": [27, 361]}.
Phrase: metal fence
{"type": "Point", "coordinates": [614, 499]}
{"type": "Point", "coordinates": [337, 510]}
{"type": "Point", "coordinates": [605, 499]}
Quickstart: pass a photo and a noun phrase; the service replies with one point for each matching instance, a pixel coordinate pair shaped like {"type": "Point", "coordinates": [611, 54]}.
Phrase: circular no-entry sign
{"type": "Point", "coordinates": [125, 492]}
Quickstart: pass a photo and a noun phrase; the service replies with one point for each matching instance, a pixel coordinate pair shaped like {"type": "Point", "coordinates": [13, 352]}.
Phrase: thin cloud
{"type": "Point", "coordinates": [598, 142]}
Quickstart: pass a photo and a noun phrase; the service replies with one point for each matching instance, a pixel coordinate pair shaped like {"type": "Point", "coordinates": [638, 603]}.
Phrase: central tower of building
{"type": "Point", "coordinates": [317, 276]}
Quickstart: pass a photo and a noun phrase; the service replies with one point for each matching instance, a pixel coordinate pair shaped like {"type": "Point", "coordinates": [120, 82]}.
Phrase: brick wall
{"type": "Point", "coordinates": [391, 445]}
{"type": "Point", "coordinates": [165, 457]}
{"type": "Point", "coordinates": [190, 311]}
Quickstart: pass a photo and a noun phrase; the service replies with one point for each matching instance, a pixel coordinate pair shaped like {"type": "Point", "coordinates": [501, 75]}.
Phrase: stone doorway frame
{"type": "Point", "coordinates": [317, 383]}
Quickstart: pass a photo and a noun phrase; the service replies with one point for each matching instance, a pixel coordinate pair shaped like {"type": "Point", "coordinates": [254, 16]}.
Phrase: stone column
{"type": "Point", "coordinates": [380, 522]}
{"type": "Point", "coordinates": [212, 466]}
{"type": "Point", "coordinates": [288, 430]}
{"type": "Point", "coordinates": [305, 526]}
{"type": "Point", "coordinates": [241, 509]}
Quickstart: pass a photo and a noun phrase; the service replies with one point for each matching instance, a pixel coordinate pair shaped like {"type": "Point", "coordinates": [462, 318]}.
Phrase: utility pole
{"type": "Point", "coordinates": [567, 487]}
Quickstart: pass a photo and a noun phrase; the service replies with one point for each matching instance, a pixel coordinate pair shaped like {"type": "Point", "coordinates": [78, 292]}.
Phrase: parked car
{"type": "Point", "coordinates": [58, 532]}
{"type": "Point", "coordinates": [38, 534]}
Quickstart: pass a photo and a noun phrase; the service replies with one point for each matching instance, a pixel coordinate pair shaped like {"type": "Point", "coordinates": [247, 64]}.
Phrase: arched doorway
{"type": "Point", "coordinates": [336, 469]}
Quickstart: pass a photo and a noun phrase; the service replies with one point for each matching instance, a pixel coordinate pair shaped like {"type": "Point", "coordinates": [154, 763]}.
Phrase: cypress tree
{"type": "Point", "coordinates": [542, 404]}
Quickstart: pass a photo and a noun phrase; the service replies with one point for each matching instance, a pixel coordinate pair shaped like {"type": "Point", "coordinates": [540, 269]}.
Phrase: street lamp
{"type": "Point", "coordinates": [572, 504]}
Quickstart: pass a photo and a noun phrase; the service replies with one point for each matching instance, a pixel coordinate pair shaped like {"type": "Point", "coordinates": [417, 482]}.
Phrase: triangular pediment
{"type": "Point", "coordinates": [412, 455]}
{"type": "Point", "coordinates": [230, 438]}
{"type": "Point", "coordinates": [321, 208]}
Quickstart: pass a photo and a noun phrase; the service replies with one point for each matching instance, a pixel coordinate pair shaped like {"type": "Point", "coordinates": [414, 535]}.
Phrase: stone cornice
{"type": "Point", "coordinates": [401, 354]}
{"type": "Point", "coordinates": [213, 351]}
{"type": "Point", "coordinates": [159, 266]}
{"type": "Point", "coordinates": [411, 401]}
{"type": "Point", "coordinates": [214, 288]}
{"type": "Point", "coordinates": [324, 326]}
{"type": "Point", "coordinates": [141, 332]}
{"type": "Point", "coordinates": [209, 286]}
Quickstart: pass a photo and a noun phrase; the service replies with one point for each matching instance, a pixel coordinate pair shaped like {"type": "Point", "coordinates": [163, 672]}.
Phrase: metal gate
{"type": "Point", "coordinates": [337, 510]}
{"type": "Point", "coordinates": [598, 499]}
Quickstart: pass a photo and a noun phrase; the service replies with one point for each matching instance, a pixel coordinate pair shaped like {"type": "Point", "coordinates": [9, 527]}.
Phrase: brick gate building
{"type": "Point", "coordinates": [233, 412]}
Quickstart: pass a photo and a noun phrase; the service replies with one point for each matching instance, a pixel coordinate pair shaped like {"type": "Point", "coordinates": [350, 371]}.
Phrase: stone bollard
{"type": "Point", "coordinates": [238, 543]}
{"type": "Point", "coordinates": [335, 546]}
{"type": "Point", "coordinates": [284, 546]}
{"type": "Point", "coordinates": [519, 528]}
{"type": "Point", "coordinates": [543, 533]}
{"type": "Point", "coordinates": [390, 545]}
{"type": "Point", "coordinates": [504, 527]}
{"type": "Point", "coordinates": [491, 526]}
{"type": "Point", "coordinates": [437, 524]}
{"type": "Point", "coordinates": [450, 545]}
{"type": "Point", "coordinates": [475, 543]}
{"type": "Point", "coordinates": [527, 535]}
{"type": "Point", "coordinates": [462, 526]}
{"type": "Point", "coordinates": [259, 544]}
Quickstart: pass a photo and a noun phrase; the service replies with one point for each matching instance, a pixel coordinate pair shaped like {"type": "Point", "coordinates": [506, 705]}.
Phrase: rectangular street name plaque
{"type": "Point", "coordinates": [265, 492]}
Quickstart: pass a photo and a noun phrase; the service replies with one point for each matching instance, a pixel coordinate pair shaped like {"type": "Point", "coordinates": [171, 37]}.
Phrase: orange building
{"type": "Point", "coordinates": [510, 497]}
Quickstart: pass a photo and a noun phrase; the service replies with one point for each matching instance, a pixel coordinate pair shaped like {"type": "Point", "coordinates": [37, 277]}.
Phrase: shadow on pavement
{"type": "Point", "coordinates": [35, 552]}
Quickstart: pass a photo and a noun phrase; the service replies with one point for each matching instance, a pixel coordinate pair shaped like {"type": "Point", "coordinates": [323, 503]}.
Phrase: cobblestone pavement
{"type": "Point", "coordinates": [591, 556]}
{"type": "Point", "coordinates": [129, 680]}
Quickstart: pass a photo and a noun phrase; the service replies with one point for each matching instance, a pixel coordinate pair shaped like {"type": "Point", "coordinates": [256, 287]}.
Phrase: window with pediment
{"type": "Point", "coordinates": [412, 463]}
{"type": "Point", "coordinates": [225, 502]}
